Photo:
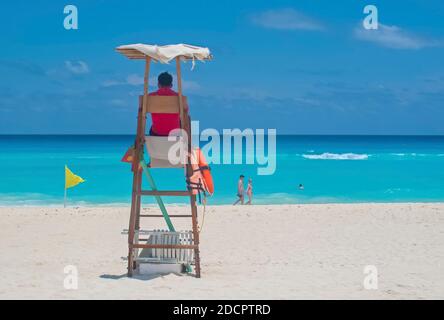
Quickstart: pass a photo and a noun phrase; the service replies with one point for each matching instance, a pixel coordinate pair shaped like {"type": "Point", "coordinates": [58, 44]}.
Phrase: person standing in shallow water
{"type": "Point", "coordinates": [240, 190]}
{"type": "Point", "coordinates": [249, 191]}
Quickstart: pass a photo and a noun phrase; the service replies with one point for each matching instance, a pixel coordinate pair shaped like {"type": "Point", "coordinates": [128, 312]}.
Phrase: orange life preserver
{"type": "Point", "coordinates": [202, 173]}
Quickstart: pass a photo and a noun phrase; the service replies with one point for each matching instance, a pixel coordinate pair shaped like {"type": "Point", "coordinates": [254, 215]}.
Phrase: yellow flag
{"type": "Point", "coordinates": [71, 180]}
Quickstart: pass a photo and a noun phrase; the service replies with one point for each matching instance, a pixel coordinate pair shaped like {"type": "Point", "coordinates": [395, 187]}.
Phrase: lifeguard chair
{"type": "Point", "coordinates": [161, 246]}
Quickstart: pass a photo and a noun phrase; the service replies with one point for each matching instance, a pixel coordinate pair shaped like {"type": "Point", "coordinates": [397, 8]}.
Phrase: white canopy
{"type": "Point", "coordinates": [164, 54]}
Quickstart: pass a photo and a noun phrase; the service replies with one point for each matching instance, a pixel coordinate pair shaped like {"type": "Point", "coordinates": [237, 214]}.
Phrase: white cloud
{"type": "Point", "coordinates": [393, 37]}
{"type": "Point", "coordinates": [77, 67]}
{"type": "Point", "coordinates": [111, 83]}
{"type": "Point", "coordinates": [134, 80]}
{"type": "Point", "coordinates": [119, 103]}
{"type": "Point", "coordinates": [187, 85]}
{"type": "Point", "coordinates": [285, 19]}
{"type": "Point", "coordinates": [190, 85]}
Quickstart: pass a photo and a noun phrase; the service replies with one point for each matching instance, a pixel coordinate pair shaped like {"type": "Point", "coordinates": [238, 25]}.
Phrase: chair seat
{"type": "Point", "coordinates": [158, 149]}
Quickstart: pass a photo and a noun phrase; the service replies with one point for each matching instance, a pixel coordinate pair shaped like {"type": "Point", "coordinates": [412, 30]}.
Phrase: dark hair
{"type": "Point", "coordinates": [165, 79]}
{"type": "Point", "coordinates": [242, 176]}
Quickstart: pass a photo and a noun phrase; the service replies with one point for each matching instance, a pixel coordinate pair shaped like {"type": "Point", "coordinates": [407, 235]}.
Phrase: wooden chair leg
{"type": "Point", "coordinates": [138, 199]}
{"type": "Point", "coordinates": [134, 223]}
{"type": "Point", "coordinates": [137, 222]}
{"type": "Point", "coordinates": [135, 209]}
{"type": "Point", "coordinates": [195, 234]}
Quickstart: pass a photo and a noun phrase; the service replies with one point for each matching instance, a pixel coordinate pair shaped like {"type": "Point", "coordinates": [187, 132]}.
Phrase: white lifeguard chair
{"type": "Point", "coordinates": [162, 251]}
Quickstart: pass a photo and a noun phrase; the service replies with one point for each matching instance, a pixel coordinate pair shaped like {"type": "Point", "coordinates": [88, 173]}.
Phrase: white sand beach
{"type": "Point", "coordinates": [247, 252]}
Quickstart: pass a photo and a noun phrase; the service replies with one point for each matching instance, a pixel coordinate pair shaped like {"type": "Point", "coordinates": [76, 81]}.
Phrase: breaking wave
{"type": "Point", "coordinates": [336, 156]}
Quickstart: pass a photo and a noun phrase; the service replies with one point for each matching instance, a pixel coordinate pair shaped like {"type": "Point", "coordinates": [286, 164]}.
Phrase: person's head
{"type": "Point", "coordinates": [242, 177]}
{"type": "Point", "coordinates": [250, 180]}
{"type": "Point", "coordinates": [165, 80]}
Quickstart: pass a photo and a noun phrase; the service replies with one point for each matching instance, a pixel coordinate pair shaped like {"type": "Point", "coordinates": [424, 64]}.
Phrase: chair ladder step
{"type": "Point", "coordinates": [163, 246]}
{"type": "Point", "coordinates": [165, 193]}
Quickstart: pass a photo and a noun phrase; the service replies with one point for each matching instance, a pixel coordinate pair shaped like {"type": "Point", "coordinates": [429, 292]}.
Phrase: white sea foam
{"type": "Point", "coordinates": [27, 199]}
{"type": "Point", "coordinates": [89, 157]}
{"type": "Point", "coordinates": [414, 154]}
{"type": "Point", "coordinates": [336, 156]}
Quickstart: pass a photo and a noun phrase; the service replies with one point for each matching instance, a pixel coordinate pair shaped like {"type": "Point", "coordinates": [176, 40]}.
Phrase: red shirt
{"type": "Point", "coordinates": [163, 123]}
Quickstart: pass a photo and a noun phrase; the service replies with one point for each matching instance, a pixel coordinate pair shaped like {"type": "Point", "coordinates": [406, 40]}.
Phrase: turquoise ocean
{"type": "Point", "coordinates": [333, 169]}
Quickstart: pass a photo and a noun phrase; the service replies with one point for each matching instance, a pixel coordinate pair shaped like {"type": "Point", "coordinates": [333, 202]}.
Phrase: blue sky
{"type": "Point", "coordinates": [302, 67]}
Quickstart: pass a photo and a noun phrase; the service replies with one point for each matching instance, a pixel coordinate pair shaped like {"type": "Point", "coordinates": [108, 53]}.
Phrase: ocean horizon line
{"type": "Point", "coordinates": [283, 134]}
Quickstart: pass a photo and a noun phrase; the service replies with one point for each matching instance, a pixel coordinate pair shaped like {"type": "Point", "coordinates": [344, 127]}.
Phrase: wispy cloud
{"type": "Point", "coordinates": [285, 19]}
{"type": "Point", "coordinates": [24, 66]}
{"type": "Point", "coordinates": [394, 37]}
{"type": "Point", "coordinates": [136, 80]}
{"type": "Point", "coordinates": [77, 67]}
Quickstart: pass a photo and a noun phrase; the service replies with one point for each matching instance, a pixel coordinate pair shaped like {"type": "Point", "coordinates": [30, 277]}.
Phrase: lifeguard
{"type": "Point", "coordinates": [164, 123]}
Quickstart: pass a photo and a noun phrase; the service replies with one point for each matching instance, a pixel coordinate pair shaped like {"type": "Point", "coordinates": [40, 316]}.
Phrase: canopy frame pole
{"type": "Point", "coordinates": [142, 134]}
{"type": "Point", "coordinates": [179, 89]}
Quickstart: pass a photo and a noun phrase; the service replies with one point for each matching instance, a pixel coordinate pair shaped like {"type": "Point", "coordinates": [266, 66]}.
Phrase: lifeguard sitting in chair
{"type": "Point", "coordinates": [168, 111]}
{"type": "Point", "coordinates": [164, 123]}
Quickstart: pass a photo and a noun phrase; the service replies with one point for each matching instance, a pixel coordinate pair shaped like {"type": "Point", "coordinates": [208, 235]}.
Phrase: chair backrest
{"type": "Point", "coordinates": [158, 146]}
{"type": "Point", "coordinates": [163, 104]}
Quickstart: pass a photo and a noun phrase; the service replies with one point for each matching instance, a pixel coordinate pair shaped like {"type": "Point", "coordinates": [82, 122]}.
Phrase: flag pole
{"type": "Point", "coordinates": [64, 199]}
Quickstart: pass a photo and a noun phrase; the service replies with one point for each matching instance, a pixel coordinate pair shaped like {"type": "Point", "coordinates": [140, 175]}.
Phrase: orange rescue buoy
{"type": "Point", "coordinates": [205, 170]}
{"type": "Point", "coordinates": [201, 177]}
